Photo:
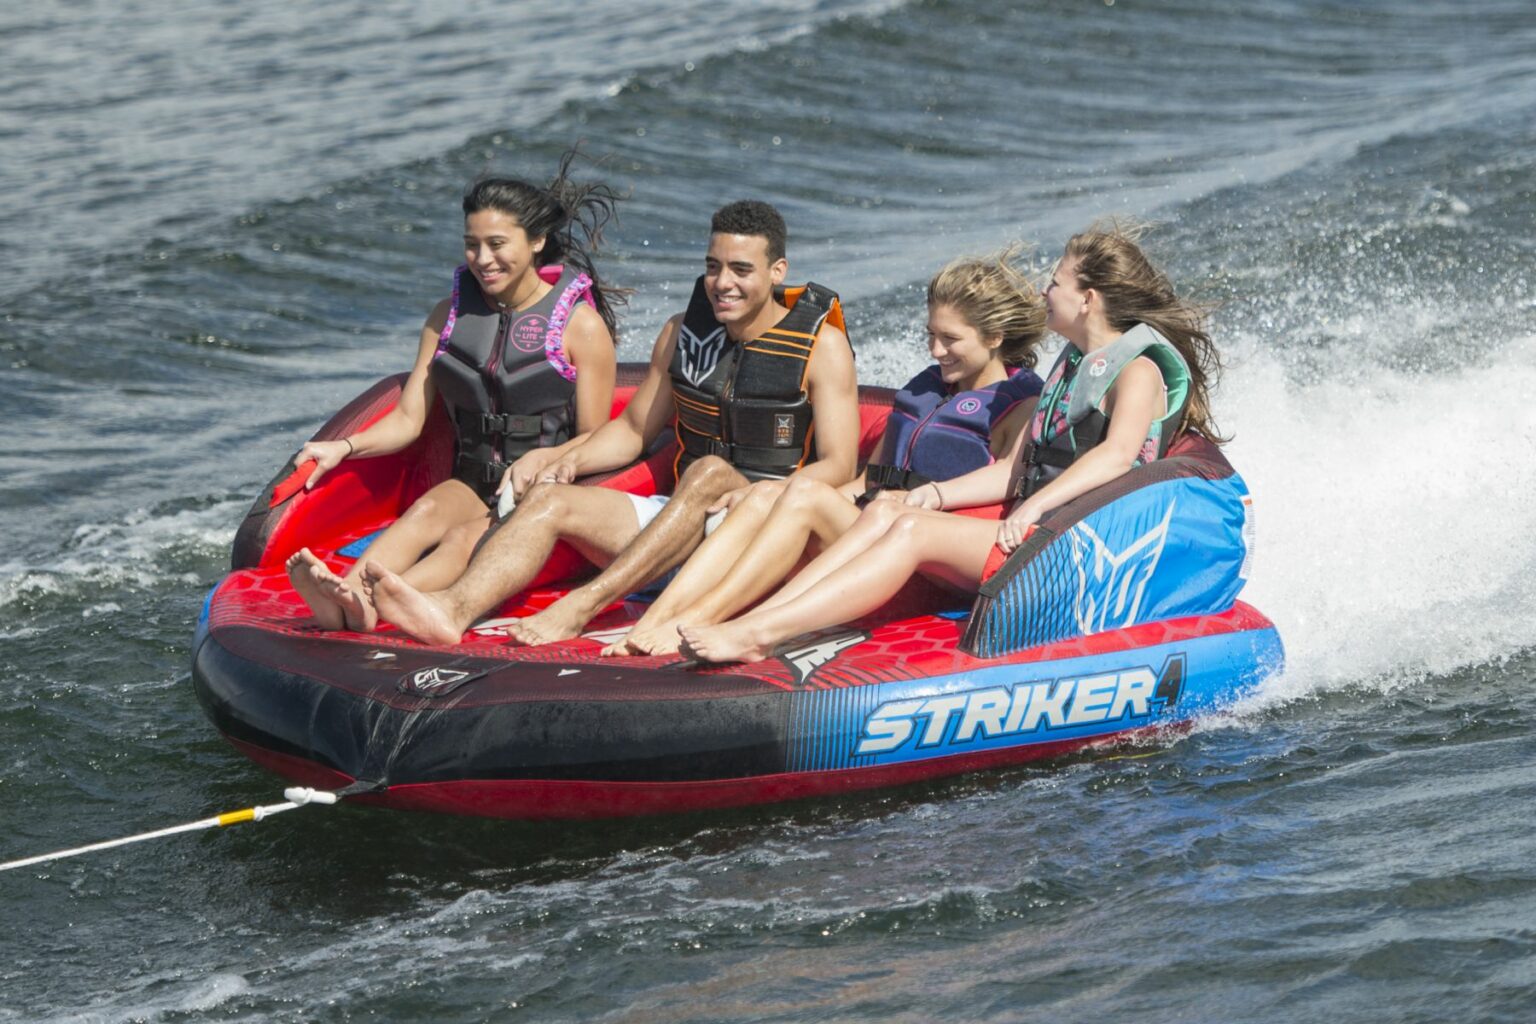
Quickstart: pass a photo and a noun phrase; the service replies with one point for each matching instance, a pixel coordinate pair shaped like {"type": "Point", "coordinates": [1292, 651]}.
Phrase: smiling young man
{"type": "Point", "coordinates": [762, 384]}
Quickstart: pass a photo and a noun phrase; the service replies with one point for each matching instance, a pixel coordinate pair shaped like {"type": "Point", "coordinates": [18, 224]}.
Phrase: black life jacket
{"type": "Point", "coordinates": [747, 403]}
{"type": "Point", "coordinates": [1068, 421]}
{"type": "Point", "coordinates": [504, 377]}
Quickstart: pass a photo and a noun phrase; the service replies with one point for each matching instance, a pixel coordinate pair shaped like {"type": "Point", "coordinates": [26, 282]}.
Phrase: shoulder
{"type": "Point", "coordinates": [587, 343]}
{"type": "Point", "coordinates": [1024, 384]}
{"type": "Point", "coordinates": [925, 381]}
{"type": "Point", "coordinates": [439, 316]}
{"type": "Point", "coordinates": [666, 341]}
{"type": "Point", "coordinates": [832, 347]}
{"type": "Point", "coordinates": [1139, 380]}
{"type": "Point", "coordinates": [1008, 426]}
{"type": "Point", "coordinates": [587, 321]}
{"type": "Point", "coordinates": [1139, 372]}
{"type": "Point", "coordinates": [831, 363]}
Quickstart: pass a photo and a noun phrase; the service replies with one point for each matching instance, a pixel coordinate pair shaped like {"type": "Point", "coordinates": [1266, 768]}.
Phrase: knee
{"type": "Point", "coordinates": [765, 493]}
{"type": "Point", "coordinates": [710, 473]}
{"type": "Point", "coordinates": [881, 513]}
{"type": "Point", "coordinates": [802, 493]}
{"type": "Point", "coordinates": [422, 511]}
{"type": "Point", "coordinates": [463, 536]}
{"type": "Point", "coordinates": [549, 499]}
{"type": "Point", "coordinates": [905, 528]}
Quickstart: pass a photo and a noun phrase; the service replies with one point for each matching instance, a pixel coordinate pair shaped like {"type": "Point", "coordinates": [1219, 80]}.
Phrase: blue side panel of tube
{"type": "Point", "coordinates": [1167, 550]}
{"type": "Point", "coordinates": [1016, 705]}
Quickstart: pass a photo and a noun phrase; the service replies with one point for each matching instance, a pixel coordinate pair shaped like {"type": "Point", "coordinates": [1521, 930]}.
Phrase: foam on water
{"type": "Point", "coordinates": [140, 551]}
{"type": "Point", "coordinates": [162, 997]}
{"type": "Point", "coordinates": [1396, 538]}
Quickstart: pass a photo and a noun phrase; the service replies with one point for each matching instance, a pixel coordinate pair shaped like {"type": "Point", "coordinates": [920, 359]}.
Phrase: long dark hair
{"type": "Point", "coordinates": [1136, 292]}
{"type": "Point", "coordinates": [569, 215]}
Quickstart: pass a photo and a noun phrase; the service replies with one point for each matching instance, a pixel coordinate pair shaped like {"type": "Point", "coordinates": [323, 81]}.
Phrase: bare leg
{"type": "Point", "coordinates": [338, 602]}
{"type": "Point", "coordinates": [871, 525]}
{"type": "Point", "coordinates": [953, 548]}
{"type": "Point", "coordinates": [808, 508]}
{"type": "Point", "coordinates": [597, 521]}
{"type": "Point", "coordinates": [669, 538]}
{"type": "Point", "coordinates": [447, 562]}
{"type": "Point", "coordinates": [656, 632]}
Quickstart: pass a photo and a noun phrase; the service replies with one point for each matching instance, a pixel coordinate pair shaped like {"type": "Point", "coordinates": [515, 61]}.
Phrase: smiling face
{"type": "Point", "coordinates": [499, 253]}
{"type": "Point", "coordinates": [966, 359]}
{"type": "Point", "coordinates": [1066, 304]}
{"type": "Point", "coordinates": [739, 280]}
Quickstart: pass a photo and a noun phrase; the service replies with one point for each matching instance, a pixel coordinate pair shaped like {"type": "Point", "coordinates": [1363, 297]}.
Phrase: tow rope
{"type": "Point", "coordinates": [296, 796]}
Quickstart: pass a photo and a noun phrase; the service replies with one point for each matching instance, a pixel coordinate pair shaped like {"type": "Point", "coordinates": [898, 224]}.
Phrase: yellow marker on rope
{"type": "Point", "coordinates": [297, 796]}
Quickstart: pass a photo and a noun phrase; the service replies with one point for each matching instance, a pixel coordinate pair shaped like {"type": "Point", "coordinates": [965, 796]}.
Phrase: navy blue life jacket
{"type": "Point", "coordinates": [747, 403]}
{"type": "Point", "coordinates": [933, 434]}
{"type": "Point", "coordinates": [504, 377]}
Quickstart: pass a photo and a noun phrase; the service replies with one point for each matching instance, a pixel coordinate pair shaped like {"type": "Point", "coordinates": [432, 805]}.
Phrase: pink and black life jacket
{"type": "Point", "coordinates": [504, 375]}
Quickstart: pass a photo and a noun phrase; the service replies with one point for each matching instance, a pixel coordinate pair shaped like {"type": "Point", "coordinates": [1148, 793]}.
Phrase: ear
{"type": "Point", "coordinates": [993, 341]}
{"type": "Point", "coordinates": [537, 244]}
{"type": "Point", "coordinates": [777, 269]}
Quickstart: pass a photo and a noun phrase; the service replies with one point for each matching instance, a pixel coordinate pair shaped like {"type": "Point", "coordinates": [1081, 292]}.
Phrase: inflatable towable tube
{"type": "Point", "coordinates": [1168, 539]}
{"type": "Point", "coordinates": [1070, 645]}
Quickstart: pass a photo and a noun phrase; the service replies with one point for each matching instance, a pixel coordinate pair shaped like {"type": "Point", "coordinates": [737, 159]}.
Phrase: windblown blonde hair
{"type": "Point", "coordinates": [993, 296]}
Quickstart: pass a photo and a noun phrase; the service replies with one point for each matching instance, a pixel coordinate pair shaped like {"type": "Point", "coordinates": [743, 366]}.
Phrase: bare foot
{"type": "Point", "coordinates": [618, 649]}
{"type": "Point", "coordinates": [660, 639]}
{"type": "Point", "coordinates": [356, 609]}
{"type": "Point", "coordinates": [645, 642]}
{"type": "Point", "coordinates": [301, 566]}
{"type": "Point", "coordinates": [728, 642]}
{"type": "Point", "coordinates": [415, 613]}
{"type": "Point", "coordinates": [549, 626]}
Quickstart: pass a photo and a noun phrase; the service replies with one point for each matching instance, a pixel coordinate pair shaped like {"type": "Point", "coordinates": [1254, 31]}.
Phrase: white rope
{"type": "Point", "coordinates": [297, 796]}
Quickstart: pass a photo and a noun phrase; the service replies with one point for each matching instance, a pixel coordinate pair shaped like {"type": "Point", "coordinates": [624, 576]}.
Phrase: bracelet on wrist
{"type": "Point", "coordinates": [350, 447]}
{"type": "Point", "coordinates": [937, 494]}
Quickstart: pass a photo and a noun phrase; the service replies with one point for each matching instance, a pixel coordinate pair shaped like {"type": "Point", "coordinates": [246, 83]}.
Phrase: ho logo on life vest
{"type": "Point", "coordinates": [968, 406]}
{"type": "Point", "coordinates": [1097, 367]}
{"type": "Point", "coordinates": [699, 355]}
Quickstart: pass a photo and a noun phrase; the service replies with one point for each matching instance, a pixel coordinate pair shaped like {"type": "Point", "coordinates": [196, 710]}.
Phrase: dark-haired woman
{"type": "Point", "coordinates": [1134, 373]}
{"type": "Point", "coordinates": [522, 354]}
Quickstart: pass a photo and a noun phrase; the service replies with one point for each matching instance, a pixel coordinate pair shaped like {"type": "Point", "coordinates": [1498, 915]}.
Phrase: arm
{"type": "Point", "coordinates": [1134, 401]}
{"type": "Point", "coordinates": [396, 428]}
{"type": "Point", "coordinates": [590, 349]}
{"type": "Point", "coordinates": [623, 439]}
{"type": "Point", "coordinates": [833, 390]}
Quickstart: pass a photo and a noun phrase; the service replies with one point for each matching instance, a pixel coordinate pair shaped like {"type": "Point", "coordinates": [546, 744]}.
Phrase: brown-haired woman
{"type": "Point", "coordinates": [1140, 355]}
